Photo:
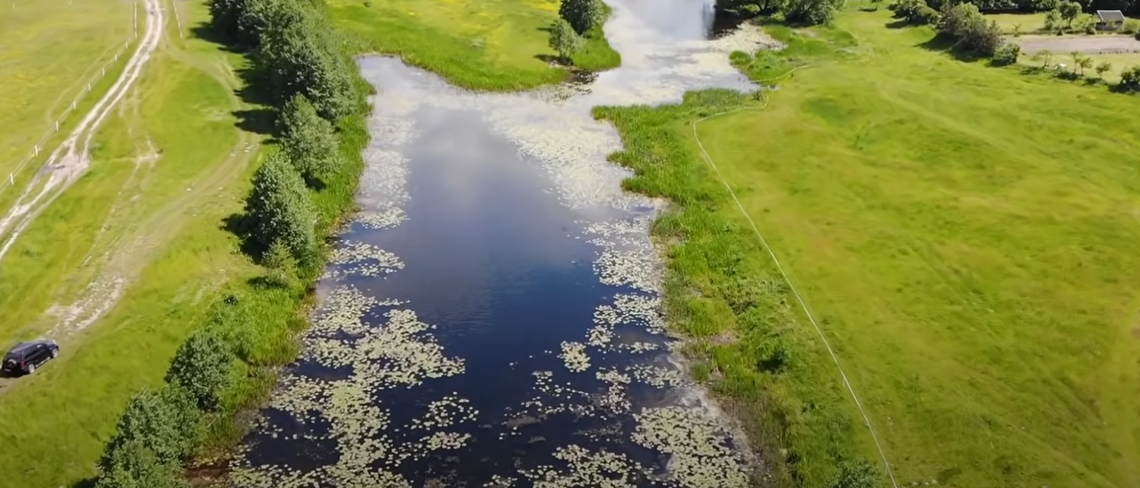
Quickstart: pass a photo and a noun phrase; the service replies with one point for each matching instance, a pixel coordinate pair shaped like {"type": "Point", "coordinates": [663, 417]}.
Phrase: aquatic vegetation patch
{"type": "Point", "coordinates": [697, 444]}
{"type": "Point", "coordinates": [586, 469]}
{"type": "Point", "coordinates": [357, 258]}
{"type": "Point", "coordinates": [575, 357]}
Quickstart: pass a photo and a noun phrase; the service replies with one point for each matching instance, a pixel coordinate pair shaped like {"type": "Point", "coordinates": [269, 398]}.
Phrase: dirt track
{"type": "Point", "coordinates": [1087, 45]}
{"type": "Point", "coordinates": [71, 159]}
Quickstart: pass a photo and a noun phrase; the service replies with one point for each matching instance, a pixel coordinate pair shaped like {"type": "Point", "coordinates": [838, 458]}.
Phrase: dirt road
{"type": "Point", "coordinates": [1084, 44]}
{"type": "Point", "coordinates": [72, 158]}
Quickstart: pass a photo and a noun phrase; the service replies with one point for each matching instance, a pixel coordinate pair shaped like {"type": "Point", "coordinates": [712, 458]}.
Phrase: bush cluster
{"type": "Point", "coordinates": [1130, 80]}
{"type": "Point", "coordinates": [1007, 54]}
{"type": "Point", "coordinates": [811, 12]}
{"type": "Point", "coordinates": [965, 24]}
{"type": "Point", "coordinates": [293, 47]}
{"type": "Point", "coordinates": [915, 12]}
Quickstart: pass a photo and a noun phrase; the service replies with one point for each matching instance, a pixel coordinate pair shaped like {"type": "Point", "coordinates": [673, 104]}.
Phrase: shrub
{"type": "Point", "coordinates": [858, 474]}
{"type": "Point", "coordinates": [134, 465]}
{"type": "Point", "coordinates": [582, 15]}
{"type": "Point", "coordinates": [165, 422]}
{"type": "Point", "coordinates": [915, 12]}
{"type": "Point", "coordinates": [309, 141]}
{"type": "Point", "coordinates": [812, 12]}
{"type": "Point", "coordinates": [966, 24]}
{"type": "Point", "coordinates": [1007, 54]}
{"type": "Point", "coordinates": [202, 368]}
{"type": "Point", "coordinates": [281, 265]}
{"type": "Point", "coordinates": [563, 39]}
{"type": "Point", "coordinates": [1130, 80]}
{"type": "Point", "coordinates": [1131, 26]}
{"type": "Point", "coordinates": [281, 211]}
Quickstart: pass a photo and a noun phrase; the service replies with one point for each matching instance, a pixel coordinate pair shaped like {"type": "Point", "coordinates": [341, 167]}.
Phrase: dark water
{"type": "Point", "coordinates": [494, 318]}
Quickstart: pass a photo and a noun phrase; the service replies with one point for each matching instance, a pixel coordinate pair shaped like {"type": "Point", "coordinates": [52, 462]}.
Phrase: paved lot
{"type": "Point", "coordinates": [1068, 44]}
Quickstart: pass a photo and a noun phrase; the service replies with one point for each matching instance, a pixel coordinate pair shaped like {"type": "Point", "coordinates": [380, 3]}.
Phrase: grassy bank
{"type": "Point", "coordinates": [962, 233]}
{"type": "Point", "coordinates": [171, 168]}
{"type": "Point", "coordinates": [497, 45]}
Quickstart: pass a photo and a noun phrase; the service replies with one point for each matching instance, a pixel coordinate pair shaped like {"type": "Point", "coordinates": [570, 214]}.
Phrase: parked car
{"type": "Point", "coordinates": [27, 356]}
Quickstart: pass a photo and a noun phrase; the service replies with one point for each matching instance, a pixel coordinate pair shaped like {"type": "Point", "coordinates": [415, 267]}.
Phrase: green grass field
{"type": "Point", "coordinates": [964, 234]}
{"type": "Point", "coordinates": [160, 220]}
{"type": "Point", "coordinates": [49, 51]}
{"type": "Point", "coordinates": [485, 45]}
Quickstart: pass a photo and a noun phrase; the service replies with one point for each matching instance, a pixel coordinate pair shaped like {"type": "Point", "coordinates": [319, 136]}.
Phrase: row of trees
{"type": "Point", "coordinates": [796, 11]}
{"type": "Point", "coordinates": [962, 22]}
{"type": "Point", "coordinates": [301, 68]}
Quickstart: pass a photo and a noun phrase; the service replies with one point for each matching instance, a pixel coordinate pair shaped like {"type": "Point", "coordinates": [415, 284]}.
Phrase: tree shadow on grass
{"type": "Point", "coordinates": [206, 32]}
{"type": "Point", "coordinates": [548, 58]}
{"type": "Point", "coordinates": [84, 483]}
{"type": "Point", "coordinates": [945, 44]}
{"type": "Point", "coordinates": [897, 24]}
{"type": "Point", "coordinates": [241, 225]}
{"type": "Point", "coordinates": [261, 118]}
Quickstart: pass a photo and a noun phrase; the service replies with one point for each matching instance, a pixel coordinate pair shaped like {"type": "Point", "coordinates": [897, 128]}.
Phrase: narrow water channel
{"type": "Point", "coordinates": [491, 318]}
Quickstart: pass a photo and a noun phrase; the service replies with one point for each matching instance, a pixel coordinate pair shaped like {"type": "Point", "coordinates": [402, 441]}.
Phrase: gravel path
{"type": "Point", "coordinates": [1088, 45]}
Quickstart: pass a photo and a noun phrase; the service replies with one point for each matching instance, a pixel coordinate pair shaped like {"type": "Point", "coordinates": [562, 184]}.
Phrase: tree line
{"type": "Point", "coordinates": [300, 66]}
{"type": "Point", "coordinates": [810, 12]}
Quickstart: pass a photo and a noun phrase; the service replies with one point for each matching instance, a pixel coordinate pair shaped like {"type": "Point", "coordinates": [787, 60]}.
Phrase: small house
{"type": "Point", "coordinates": [1109, 19]}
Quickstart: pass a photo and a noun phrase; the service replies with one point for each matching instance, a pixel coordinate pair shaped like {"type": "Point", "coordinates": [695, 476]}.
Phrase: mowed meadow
{"type": "Point", "coordinates": [966, 237]}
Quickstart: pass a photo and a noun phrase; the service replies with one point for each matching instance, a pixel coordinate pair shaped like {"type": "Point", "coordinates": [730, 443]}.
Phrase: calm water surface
{"type": "Point", "coordinates": [492, 317]}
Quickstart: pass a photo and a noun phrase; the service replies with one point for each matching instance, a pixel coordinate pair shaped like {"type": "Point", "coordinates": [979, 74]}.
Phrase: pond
{"type": "Point", "coordinates": [492, 316]}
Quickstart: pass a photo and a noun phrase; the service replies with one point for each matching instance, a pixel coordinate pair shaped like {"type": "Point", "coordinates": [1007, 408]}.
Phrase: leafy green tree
{"type": "Point", "coordinates": [281, 211]}
{"type": "Point", "coordinates": [1069, 12]}
{"type": "Point", "coordinates": [1052, 20]}
{"type": "Point", "coordinates": [202, 367]}
{"type": "Point", "coordinates": [812, 12]}
{"type": "Point", "coordinates": [1103, 68]}
{"type": "Point", "coordinates": [564, 40]}
{"type": "Point", "coordinates": [224, 17]}
{"type": "Point", "coordinates": [582, 15]}
{"type": "Point", "coordinates": [309, 141]}
{"type": "Point", "coordinates": [166, 422]}
{"type": "Point", "coordinates": [135, 465]}
{"type": "Point", "coordinates": [298, 53]}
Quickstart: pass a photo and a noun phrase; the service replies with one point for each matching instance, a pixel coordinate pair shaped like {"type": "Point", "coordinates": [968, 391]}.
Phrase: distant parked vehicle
{"type": "Point", "coordinates": [27, 356]}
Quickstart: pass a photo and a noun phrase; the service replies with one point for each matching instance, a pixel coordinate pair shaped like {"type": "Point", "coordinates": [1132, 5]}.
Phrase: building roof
{"type": "Point", "coordinates": [1110, 15]}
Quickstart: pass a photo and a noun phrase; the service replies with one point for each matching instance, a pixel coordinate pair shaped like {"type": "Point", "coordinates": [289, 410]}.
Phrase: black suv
{"type": "Point", "coordinates": [27, 356]}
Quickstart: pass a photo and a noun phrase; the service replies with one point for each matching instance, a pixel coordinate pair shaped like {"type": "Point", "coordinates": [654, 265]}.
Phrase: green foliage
{"type": "Point", "coordinates": [1068, 11]}
{"type": "Point", "coordinates": [1130, 80]}
{"type": "Point", "coordinates": [1103, 68]}
{"type": "Point", "coordinates": [281, 264]}
{"type": "Point", "coordinates": [165, 423]}
{"type": "Point", "coordinates": [915, 12]}
{"type": "Point", "coordinates": [1007, 54]}
{"type": "Point", "coordinates": [583, 15]}
{"type": "Point", "coordinates": [965, 23]}
{"type": "Point", "coordinates": [859, 474]}
{"type": "Point", "coordinates": [1045, 56]}
{"type": "Point", "coordinates": [1131, 26]}
{"type": "Point", "coordinates": [308, 140]}
{"type": "Point", "coordinates": [812, 12]}
{"type": "Point", "coordinates": [202, 368]}
{"type": "Point", "coordinates": [134, 465]}
{"type": "Point", "coordinates": [280, 210]}
{"type": "Point", "coordinates": [299, 54]}
{"type": "Point", "coordinates": [563, 39]}
{"type": "Point", "coordinates": [225, 16]}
